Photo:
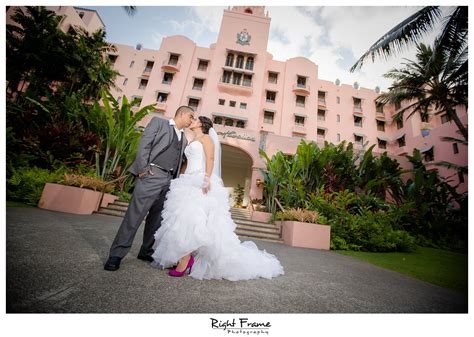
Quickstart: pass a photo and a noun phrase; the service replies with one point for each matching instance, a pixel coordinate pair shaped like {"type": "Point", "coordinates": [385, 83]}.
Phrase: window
{"type": "Point", "coordinates": [380, 125]}
{"type": "Point", "coordinates": [232, 104]}
{"type": "Point", "coordinates": [268, 117]}
{"type": "Point", "coordinates": [229, 62]}
{"type": "Point", "coordinates": [321, 115]}
{"type": "Point", "coordinates": [138, 102]}
{"type": "Point", "coordinates": [240, 62]}
{"type": "Point", "coordinates": [162, 97]}
{"type": "Point", "coordinates": [338, 100]}
{"type": "Point", "coordinates": [247, 80]}
{"type": "Point", "coordinates": [240, 124]}
{"type": "Point", "coordinates": [445, 118]}
{"type": "Point", "coordinates": [378, 107]}
{"type": "Point", "coordinates": [321, 133]}
{"type": "Point", "coordinates": [143, 83]}
{"type": "Point", "coordinates": [299, 120]}
{"type": "Point", "coordinates": [338, 118]}
{"type": "Point", "coordinates": [424, 118]}
{"type": "Point", "coordinates": [237, 78]}
{"type": "Point", "coordinates": [358, 121]}
{"type": "Point", "coordinates": [173, 59]}
{"type": "Point", "coordinates": [119, 99]}
{"type": "Point", "coordinates": [401, 141]}
{"type": "Point", "coordinates": [382, 144]}
{"type": "Point", "coordinates": [399, 124]}
{"type": "Point", "coordinates": [321, 97]}
{"type": "Point", "coordinates": [455, 148]}
{"type": "Point", "coordinates": [358, 139]}
{"type": "Point", "coordinates": [149, 66]}
{"type": "Point", "coordinates": [113, 58]}
{"type": "Point", "coordinates": [81, 14]}
{"type": "Point", "coordinates": [125, 81]}
{"type": "Point", "coordinates": [301, 81]}
{"type": "Point", "coordinates": [272, 77]}
{"type": "Point", "coordinates": [202, 66]}
{"type": "Point", "coordinates": [429, 155]}
{"type": "Point", "coordinates": [357, 104]}
{"type": "Point", "coordinates": [229, 122]}
{"type": "Point", "coordinates": [167, 78]}
{"type": "Point", "coordinates": [226, 77]}
{"type": "Point", "coordinates": [243, 105]}
{"type": "Point", "coordinates": [221, 101]}
{"type": "Point", "coordinates": [338, 137]}
{"type": "Point", "coordinates": [217, 120]}
{"type": "Point", "coordinates": [193, 103]}
{"type": "Point", "coordinates": [249, 63]}
{"type": "Point", "coordinates": [198, 83]}
{"type": "Point", "coordinates": [300, 100]}
{"type": "Point", "coordinates": [131, 64]}
{"type": "Point", "coordinates": [271, 96]}
{"type": "Point", "coordinates": [461, 177]}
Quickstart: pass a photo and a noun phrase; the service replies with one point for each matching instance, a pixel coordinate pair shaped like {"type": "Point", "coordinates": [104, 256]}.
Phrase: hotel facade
{"type": "Point", "coordinates": [257, 102]}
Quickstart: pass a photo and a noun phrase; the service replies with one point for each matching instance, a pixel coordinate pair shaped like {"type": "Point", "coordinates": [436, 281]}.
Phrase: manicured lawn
{"type": "Point", "coordinates": [10, 203]}
{"type": "Point", "coordinates": [444, 268]}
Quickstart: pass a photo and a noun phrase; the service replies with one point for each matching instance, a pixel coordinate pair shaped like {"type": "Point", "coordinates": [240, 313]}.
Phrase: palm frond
{"type": "Point", "coordinates": [407, 32]}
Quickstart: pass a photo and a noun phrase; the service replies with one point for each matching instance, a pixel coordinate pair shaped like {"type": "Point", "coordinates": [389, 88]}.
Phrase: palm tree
{"type": "Point", "coordinates": [130, 10]}
{"type": "Point", "coordinates": [411, 30]}
{"type": "Point", "coordinates": [433, 80]}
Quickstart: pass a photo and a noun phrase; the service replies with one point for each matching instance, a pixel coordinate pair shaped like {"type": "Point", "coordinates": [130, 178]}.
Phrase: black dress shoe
{"type": "Point", "coordinates": [113, 263]}
{"type": "Point", "coordinates": [145, 257]}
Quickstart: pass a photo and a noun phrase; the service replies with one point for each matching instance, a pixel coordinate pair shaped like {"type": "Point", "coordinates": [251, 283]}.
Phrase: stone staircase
{"type": "Point", "coordinates": [246, 228]}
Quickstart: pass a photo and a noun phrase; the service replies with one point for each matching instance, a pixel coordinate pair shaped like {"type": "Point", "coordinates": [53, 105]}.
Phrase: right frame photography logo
{"type": "Point", "coordinates": [241, 326]}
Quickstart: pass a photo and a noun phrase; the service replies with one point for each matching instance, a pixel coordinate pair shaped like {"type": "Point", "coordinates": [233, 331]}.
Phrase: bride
{"type": "Point", "coordinates": [197, 230]}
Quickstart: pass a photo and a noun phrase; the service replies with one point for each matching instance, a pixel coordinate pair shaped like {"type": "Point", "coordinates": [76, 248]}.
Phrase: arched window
{"type": "Point", "coordinates": [230, 60]}
{"type": "Point", "coordinates": [240, 62]}
{"type": "Point", "coordinates": [248, 11]}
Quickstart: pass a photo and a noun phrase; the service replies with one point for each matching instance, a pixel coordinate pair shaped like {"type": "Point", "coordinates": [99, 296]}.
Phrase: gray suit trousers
{"type": "Point", "coordinates": [148, 197]}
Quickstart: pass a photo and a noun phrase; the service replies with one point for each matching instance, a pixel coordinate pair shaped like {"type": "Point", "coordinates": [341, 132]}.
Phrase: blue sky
{"type": "Point", "coordinates": [332, 37]}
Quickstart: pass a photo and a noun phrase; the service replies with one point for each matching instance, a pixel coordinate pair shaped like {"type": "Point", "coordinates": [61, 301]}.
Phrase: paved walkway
{"type": "Point", "coordinates": [54, 264]}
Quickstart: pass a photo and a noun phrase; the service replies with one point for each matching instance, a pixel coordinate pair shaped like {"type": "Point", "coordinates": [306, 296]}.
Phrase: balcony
{"type": "Point", "coordinates": [160, 106]}
{"type": "Point", "coordinates": [301, 88]}
{"type": "Point", "coordinates": [170, 66]}
{"type": "Point", "coordinates": [357, 108]}
{"type": "Point", "coordinates": [230, 88]}
{"type": "Point", "coordinates": [146, 72]}
{"type": "Point", "coordinates": [301, 129]}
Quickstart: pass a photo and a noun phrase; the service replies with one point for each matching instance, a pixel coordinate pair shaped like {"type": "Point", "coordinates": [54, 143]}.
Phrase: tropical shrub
{"type": "Point", "coordinates": [26, 184]}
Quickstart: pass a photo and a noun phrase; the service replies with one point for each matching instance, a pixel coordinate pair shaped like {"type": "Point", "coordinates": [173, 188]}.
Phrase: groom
{"type": "Point", "coordinates": [158, 160]}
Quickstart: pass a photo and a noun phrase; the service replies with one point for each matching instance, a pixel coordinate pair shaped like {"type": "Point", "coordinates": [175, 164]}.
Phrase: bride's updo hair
{"type": "Point", "coordinates": [206, 124]}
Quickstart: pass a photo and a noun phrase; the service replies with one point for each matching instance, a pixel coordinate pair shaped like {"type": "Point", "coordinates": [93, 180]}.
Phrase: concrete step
{"type": "Point", "coordinates": [117, 207]}
{"type": "Point", "coordinates": [274, 230]}
{"type": "Point", "coordinates": [254, 223]}
{"type": "Point", "coordinates": [108, 211]}
{"type": "Point", "coordinates": [243, 237]}
{"type": "Point", "coordinates": [121, 203]}
{"type": "Point", "coordinates": [253, 234]}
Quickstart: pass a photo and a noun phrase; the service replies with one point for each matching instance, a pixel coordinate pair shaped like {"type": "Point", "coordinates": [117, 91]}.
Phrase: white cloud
{"type": "Point", "coordinates": [333, 29]}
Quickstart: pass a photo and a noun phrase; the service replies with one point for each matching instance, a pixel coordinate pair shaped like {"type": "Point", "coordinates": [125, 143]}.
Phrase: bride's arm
{"type": "Point", "coordinates": [209, 152]}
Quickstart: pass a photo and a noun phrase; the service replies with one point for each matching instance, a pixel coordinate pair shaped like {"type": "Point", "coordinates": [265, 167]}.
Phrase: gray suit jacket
{"type": "Point", "coordinates": [157, 135]}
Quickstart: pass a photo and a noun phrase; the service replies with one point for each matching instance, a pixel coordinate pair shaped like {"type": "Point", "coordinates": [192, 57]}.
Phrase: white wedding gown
{"type": "Point", "coordinates": [201, 224]}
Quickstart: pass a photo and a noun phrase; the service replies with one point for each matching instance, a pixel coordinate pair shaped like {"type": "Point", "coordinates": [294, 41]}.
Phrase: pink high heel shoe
{"type": "Point", "coordinates": [175, 273]}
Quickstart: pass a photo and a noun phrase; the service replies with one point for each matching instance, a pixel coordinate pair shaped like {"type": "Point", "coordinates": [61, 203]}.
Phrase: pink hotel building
{"type": "Point", "coordinates": [258, 102]}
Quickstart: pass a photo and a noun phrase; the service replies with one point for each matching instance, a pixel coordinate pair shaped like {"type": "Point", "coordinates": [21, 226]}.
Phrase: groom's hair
{"type": "Point", "coordinates": [182, 109]}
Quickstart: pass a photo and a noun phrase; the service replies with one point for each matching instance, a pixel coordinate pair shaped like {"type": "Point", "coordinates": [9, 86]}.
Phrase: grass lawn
{"type": "Point", "coordinates": [16, 204]}
{"type": "Point", "coordinates": [444, 268]}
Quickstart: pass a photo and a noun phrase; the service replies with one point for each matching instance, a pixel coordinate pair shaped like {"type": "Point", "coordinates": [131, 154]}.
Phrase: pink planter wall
{"type": "Point", "coordinates": [71, 199]}
{"type": "Point", "coordinates": [261, 216]}
{"type": "Point", "coordinates": [306, 235]}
